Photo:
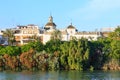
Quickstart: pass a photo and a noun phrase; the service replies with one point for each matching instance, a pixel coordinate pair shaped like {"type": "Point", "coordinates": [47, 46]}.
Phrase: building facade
{"type": "Point", "coordinates": [24, 34]}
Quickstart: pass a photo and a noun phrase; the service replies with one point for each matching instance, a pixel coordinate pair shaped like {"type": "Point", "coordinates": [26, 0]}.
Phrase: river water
{"type": "Point", "coordinates": [60, 75]}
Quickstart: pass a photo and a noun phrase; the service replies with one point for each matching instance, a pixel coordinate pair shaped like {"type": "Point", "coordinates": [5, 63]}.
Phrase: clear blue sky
{"type": "Point", "coordinates": [85, 15]}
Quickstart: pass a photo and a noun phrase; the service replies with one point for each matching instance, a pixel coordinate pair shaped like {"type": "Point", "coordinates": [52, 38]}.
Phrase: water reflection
{"type": "Point", "coordinates": [60, 75]}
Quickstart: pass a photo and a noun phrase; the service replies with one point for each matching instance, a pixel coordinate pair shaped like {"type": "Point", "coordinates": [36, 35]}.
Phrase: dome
{"type": "Point", "coordinates": [71, 26]}
{"type": "Point", "coordinates": [50, 24]}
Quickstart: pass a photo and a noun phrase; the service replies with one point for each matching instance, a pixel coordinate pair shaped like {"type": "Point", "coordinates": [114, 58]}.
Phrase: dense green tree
{"type": "Point", "coordinates": [9, 34]}
{"type": "Point", "coordinates": [96, 54]}
{"type": "Point", "coordinates": [26, 48]}
{"type": "Point", "coordinates": [115, 47]}
{"type": "Point", "coordinates": [114, 56]}
{"type": "Point", "coordinates": [52, 46]}
{"type": "Point", "coordinates": [75, 54]}
{"type": "Point", "coordinates": [10, 50]}
{"type": "Point", "coordinates": [111, 50]}
{"type": "Point", "coordinates": [116, 34]}
{"type": "Point", "coordinates": [38, 46]}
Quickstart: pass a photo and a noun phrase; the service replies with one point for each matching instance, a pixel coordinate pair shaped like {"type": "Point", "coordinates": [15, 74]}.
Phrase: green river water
{"type": "Point", "coordinates": [60, 75]}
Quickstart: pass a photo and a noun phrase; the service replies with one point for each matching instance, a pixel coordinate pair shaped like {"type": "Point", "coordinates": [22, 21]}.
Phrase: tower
{"type": "Point", "coordinates": [50, 19]}
{"type": "Point", "coordinates": [50, 25]}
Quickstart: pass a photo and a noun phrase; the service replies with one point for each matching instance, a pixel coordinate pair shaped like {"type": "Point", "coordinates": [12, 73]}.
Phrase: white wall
{"type": "Point", "coordinates": [46, 38]}
{"type": "Point", "coordinates": [71, 31]}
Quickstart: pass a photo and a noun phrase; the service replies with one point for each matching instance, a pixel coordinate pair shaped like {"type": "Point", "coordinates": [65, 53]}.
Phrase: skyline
{"type": "Point", "coordinates": [85, 15]}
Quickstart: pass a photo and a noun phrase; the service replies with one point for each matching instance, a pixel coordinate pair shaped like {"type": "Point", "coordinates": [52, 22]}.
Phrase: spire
{"type": "Point", "coordinates": [50, 24]}
{"type": "Point", "coordinates": [50, 14]}
{"type": "Point", "coordinates": [50, 19]}
{"type": "Point", "coordinates": [71, 22]}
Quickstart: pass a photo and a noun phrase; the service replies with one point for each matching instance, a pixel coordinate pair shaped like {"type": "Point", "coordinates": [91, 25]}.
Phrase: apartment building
{"type": "Point", "coordinates": [25, 34]}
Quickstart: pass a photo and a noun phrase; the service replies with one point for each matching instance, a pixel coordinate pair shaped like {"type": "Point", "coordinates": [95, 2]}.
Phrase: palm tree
{"type": "Point", "coordinates": [9, 34]}
{"type": "Point", "coordinates": [116, 34]}
{"type": "Point", "coordinates": [56, 35]}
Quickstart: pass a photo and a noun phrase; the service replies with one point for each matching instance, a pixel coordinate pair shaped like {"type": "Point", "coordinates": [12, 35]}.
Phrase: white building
{"type": "Point", "coordinates": [68, 33]}
{"type": "Point", "coordinates": [24, 33]}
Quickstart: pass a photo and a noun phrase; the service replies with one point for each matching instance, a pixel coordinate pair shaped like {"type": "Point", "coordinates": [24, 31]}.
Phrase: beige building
{"type": "Point", "coordinates": [107, 30]}
{"type": "Point", "coordinates": [24, 34]}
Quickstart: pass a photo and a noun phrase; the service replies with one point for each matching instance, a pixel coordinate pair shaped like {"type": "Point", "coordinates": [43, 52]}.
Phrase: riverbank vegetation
{"type": "Point", "coordinates": [103, 54]}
